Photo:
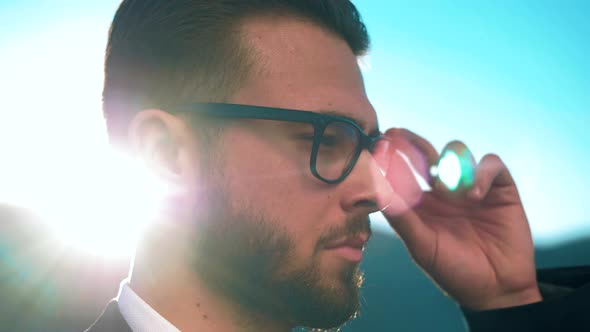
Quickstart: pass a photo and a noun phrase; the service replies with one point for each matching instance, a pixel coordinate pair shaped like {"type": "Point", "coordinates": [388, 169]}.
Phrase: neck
{"type": "Point", "coordinates": [178, 296]}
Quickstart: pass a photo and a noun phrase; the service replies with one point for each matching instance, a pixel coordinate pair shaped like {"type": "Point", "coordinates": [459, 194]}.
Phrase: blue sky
{"type": "Point", "coordinates": [509, 77]}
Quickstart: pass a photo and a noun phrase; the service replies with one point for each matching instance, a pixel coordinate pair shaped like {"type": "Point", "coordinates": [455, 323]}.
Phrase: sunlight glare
{"type": "Point", "coordinates": [449, 170]}
{"type": "Point", "coordinates": [56, 160]}
{"type": "Point", "coordinates": [96, 210]}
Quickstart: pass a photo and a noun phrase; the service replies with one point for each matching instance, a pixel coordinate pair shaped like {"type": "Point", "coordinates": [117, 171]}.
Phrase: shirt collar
{"type": "Point", "coordinates": [138, 314]}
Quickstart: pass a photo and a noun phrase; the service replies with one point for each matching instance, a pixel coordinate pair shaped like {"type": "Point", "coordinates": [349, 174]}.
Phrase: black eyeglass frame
{"type": "Point", "coordinates": [319, 121]}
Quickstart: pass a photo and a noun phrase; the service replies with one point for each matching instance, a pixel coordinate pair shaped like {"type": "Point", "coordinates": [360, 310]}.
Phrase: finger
{"type": "Point", "coordinates": [407, 192]}
{"type": "Point", "coordinates": [418, 151]}
{"type": "Point", "coordinates": [490, 172]}
{"type": "Point", "coordinates": [422, 144]}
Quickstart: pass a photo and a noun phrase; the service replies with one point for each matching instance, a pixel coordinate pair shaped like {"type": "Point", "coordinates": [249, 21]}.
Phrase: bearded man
{"type": "Point", "coordinates": [256, 114]}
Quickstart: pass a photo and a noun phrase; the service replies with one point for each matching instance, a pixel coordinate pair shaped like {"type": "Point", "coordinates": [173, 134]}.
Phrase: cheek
{"type": "Point", "coordinates": [265, 174]}
{"type": "Point", "coordinates": [279, 186]}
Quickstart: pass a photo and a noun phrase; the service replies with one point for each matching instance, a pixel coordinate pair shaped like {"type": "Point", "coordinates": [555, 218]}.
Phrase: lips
{"type": "Point", "coordinates": [349, 248]}
{"type": "Point", "coordinates": [355, 242]}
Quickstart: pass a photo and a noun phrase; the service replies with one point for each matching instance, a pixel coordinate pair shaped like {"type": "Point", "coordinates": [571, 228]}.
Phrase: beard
{"type": "Point", "coordinates": [248, 259]}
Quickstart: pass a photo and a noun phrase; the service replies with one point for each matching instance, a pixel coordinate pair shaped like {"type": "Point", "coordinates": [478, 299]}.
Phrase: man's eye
{"type": "Point", "coordinates": [325, 140]}
{"type": "Point", "coordinates": [305, 137]}
{"type": "Point", "coordinates": [329, 140]}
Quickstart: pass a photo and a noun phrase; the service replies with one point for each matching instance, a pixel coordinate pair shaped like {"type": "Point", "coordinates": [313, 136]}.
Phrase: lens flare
{"type": "Point", "coordinates": [99, 210]}
{"type": "Point", "coordinates": [449, 170]}
{"type": "Point", "coordinates": [456, 167]}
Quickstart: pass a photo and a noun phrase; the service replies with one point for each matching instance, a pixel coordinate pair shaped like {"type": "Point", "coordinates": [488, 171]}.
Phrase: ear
{"type": "Point", "coordinates": [162, 142]}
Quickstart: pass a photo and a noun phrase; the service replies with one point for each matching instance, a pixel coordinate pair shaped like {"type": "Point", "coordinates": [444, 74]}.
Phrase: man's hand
{"type": "Point", "coordinates": [476, 245]}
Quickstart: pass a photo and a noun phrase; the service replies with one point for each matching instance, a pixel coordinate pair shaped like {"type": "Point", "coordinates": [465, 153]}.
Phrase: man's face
{"type": "Point", "coordinates": [267, 241]}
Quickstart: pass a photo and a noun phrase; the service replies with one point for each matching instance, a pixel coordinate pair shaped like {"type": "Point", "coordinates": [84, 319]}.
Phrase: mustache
{"type": "Point", "coordinates": [352, 228]}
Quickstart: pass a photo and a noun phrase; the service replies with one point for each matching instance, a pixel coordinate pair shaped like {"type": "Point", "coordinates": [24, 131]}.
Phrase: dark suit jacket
{"type": "Point", "coordinates": [566, 307]}
{"type": "Point", "coordinates": [110, 320]}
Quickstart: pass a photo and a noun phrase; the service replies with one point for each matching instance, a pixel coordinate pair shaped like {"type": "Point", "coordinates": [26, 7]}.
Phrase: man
{"type": "Point", "coordinates": [256, 115]}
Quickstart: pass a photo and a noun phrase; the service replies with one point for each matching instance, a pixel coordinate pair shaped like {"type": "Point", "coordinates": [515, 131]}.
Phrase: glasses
{"type": "Point", "coordinates": [337, 141]}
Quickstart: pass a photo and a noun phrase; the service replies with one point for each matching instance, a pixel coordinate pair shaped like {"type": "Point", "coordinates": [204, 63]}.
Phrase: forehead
{"type": "Point", "coordinates": [299, 65]}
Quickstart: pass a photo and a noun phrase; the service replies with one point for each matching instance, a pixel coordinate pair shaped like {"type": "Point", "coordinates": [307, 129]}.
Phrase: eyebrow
{"type": "Point", "coordinates": [372, 132]}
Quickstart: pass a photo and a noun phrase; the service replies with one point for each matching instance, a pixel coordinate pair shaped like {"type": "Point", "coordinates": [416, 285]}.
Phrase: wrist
{"type": "Point", "coordinates": [514, 299]}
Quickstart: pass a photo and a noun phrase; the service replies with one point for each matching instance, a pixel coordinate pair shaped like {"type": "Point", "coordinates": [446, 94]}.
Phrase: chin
{"type": "Point", "coordinates": [336, 299]}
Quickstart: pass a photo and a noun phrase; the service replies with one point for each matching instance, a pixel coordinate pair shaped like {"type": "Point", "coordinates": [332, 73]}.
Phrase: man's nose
{"type": "Point", "coordinates": [366, 187]}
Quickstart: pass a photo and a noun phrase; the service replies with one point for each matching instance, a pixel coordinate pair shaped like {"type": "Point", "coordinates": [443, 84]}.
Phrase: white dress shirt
{"type": "Point", "coordinates": [139, 315]}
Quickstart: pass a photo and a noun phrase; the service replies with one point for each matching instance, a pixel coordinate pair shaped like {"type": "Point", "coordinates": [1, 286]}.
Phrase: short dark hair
{"type": "Point", "coordinates": [161, 53]}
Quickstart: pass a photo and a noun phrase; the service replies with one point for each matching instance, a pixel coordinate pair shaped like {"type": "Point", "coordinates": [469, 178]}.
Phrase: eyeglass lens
{"type": "Point", "coordinates": [337, 149]}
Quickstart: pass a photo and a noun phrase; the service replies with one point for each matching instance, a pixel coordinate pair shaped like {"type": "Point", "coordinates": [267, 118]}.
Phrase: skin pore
{"type": "Point", "coordinates": [248, 254]}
